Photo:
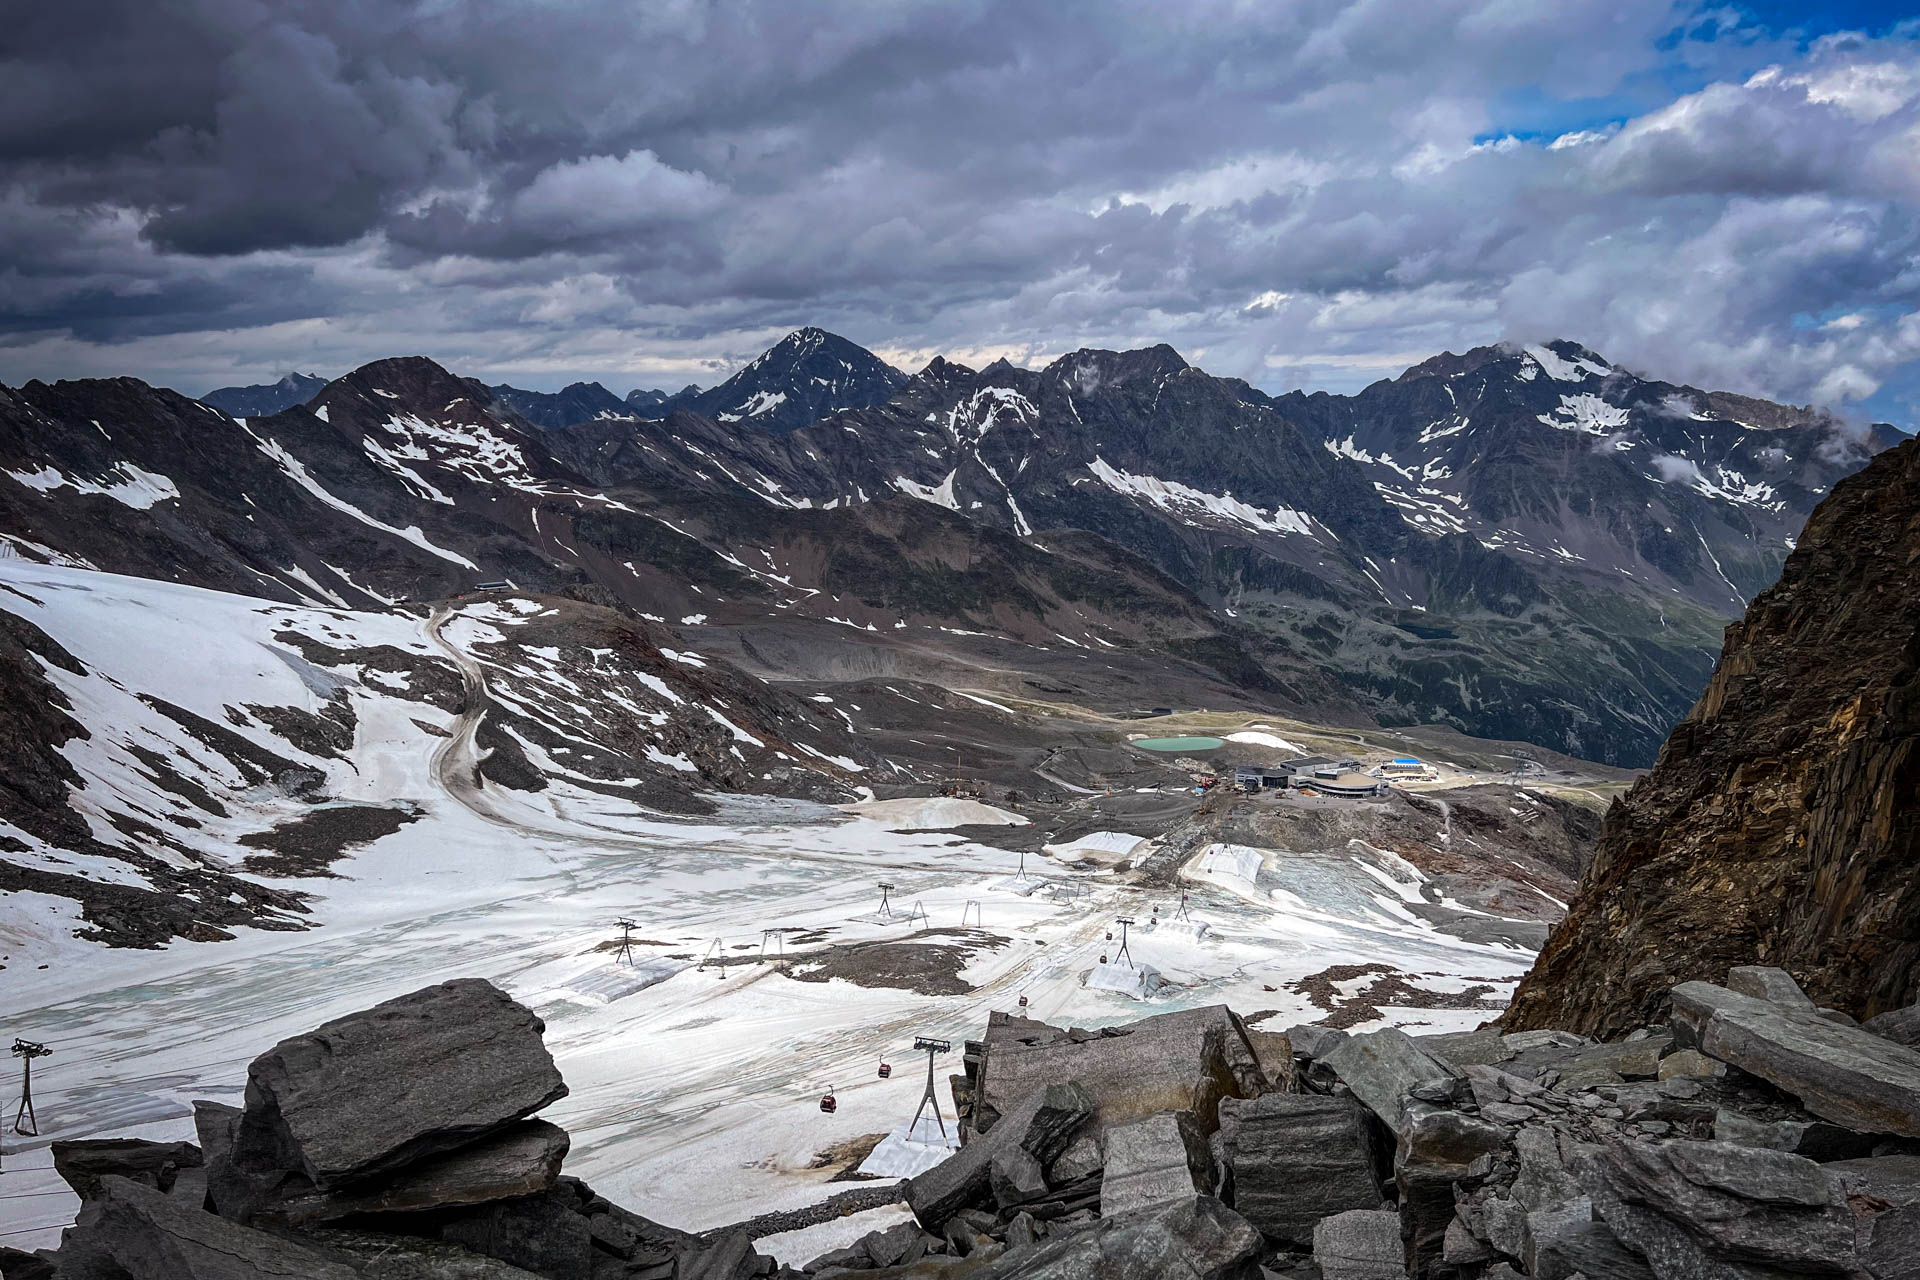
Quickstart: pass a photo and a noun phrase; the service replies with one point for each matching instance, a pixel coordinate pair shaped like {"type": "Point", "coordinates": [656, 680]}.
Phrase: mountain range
{"type": "Point", "coordinates": [1525, 543]}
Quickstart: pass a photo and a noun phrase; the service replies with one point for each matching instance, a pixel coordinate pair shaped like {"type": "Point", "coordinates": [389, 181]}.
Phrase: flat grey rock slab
{"type": "Point", "coordinates": [374, 1091]}
{"type": "Point", "coordinates": [1182, 1061]}
{"type": "Point", "coordinates": [1360, 1244]}
{"type": "Point", "coordinates": [1763, 982]}
{"type": "Point", "coordinates": [1902, 1026]}
{"type": "Point", "coordinates": [1469, 1048]}
{"type": "Point", "coordinates": [1380, 1068]}
{"type": "Point", "coordinates": [1310, 1041]}
{"type": "Point", "coordinates": [1194, 1239]}
{"type": "Point", "coordinates": [1155, 1161]}
{"type": "Point", "coordinates": [521, 1160]}
{"type": "Point", "coordinates": [1296, 1158]}
{"type": "Point", "coordinates": [1546, 1038]}
{"type": "Point", "coordinates": [1732, 1204]}
{"type": "Point", "coordinates": [1844, 1074]}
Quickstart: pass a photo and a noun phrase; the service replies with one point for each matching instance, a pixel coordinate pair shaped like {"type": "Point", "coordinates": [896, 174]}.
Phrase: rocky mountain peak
{"type": "Point", "coordinates": [805, 376]}
{"type": "Point", "coordinates": [1089, 369]}
{"type": "Point", "coordinates": [1777, 827]}
{"type": "Point", "coordinates": [941, 371]}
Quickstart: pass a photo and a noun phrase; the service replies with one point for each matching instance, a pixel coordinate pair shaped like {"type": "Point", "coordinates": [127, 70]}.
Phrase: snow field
{"type": "Point", "coordinates": [694, 1090]}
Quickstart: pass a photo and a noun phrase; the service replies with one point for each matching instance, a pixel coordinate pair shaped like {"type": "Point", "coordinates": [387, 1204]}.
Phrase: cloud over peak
{"type": "Point", "coordinates": [1297, 195]}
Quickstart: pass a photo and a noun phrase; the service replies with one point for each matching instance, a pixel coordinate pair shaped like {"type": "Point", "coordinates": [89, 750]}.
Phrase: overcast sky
{"type": "Point", "coordinates": [1311, 193]}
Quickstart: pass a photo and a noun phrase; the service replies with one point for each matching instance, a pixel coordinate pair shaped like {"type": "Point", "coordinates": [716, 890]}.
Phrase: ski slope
{"type": "Point", "coordinates": [693, 1089]}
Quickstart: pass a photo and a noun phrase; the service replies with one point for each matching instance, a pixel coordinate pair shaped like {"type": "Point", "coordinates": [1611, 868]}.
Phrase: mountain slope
{"type": "Point", "coordinates": [265, 398]}
{"type": "Point", "coordinates": [1523, 544]}
{"type": "Point", "coordinates": [1552, 593]}
{"type": "Point", "coordinates": [1554, 454]}
{"type": "Point", "coordinates": [164, 739]}
{"type": "Point", "coordinates": [1779, 826]}
{"type": "Point", "coordinates": [403, 482]}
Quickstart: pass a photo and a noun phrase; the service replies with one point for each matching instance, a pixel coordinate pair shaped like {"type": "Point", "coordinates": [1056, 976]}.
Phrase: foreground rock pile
{"type": "Point", "coordinates": [393, 1143]}
{"type": "Point", "coordinates": [1753, 1137]}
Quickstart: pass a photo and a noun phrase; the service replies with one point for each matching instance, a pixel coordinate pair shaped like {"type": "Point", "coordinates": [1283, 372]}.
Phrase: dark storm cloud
{"type": "Point", "coordinates": [1310, 191]}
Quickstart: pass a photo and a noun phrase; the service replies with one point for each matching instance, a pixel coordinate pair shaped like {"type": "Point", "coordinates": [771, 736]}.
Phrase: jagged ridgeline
{"type": "Point", "coordinates": [1781, 825]}
{"type": "Point", "coordinates": [1528, 544]}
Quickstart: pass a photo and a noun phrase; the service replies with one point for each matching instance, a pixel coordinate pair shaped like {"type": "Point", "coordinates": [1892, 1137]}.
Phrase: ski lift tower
{"type": "Point", "coordinates": [886, 908]}
{"type": "Point", "coordinates": [625, 954]}
{"type": "Point", "coordinates": [932, 1048]}
{"type": "Point", "coordinates": [1181, 914]}
{"type": "Point", "coordinates": [25, 1123]}
{"type": "Point", "coordinates": [1124, 954]}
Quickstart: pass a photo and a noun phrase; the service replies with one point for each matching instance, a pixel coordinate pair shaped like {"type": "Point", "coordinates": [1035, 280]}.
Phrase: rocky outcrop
{"type": "Point", "coordinates": [1778, 827]}
{"type": "Point", "coordinates": [345, 1101]}
{"type": "Point", "coordinates": [1392, 1164]}
{"type": "Point", "coordinates": [388, 1144]}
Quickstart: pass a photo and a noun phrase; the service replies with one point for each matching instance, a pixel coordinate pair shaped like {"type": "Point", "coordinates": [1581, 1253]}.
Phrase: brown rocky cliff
{"type": "Point", "coordinates": [1781, 824]}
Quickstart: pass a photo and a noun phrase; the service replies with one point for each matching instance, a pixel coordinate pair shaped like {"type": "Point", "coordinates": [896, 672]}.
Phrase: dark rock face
{"type": "Point", "coordinates": [1294, 1159]}
{"type": "Point", "coordinates": [1778, 827]}
{"type": "Point", "coordinates": [374, 1091]}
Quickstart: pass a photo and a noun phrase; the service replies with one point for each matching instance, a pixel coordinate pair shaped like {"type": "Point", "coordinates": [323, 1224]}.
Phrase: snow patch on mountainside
{"type": "Point", "coordinates": [128, 485]}
{"type": "Point", "coordinates": [1585, 412]}
{"type": "Point", "coordinates": [1577, 370]}
{"type": "Point", "coordinates": [941, 495]}
{"type": "Point", "coordinates": [298, 473]}
{"type": "Point", "coordinates": [1190, 504]}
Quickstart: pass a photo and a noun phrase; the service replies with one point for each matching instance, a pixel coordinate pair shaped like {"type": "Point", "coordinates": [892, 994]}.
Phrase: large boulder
{"type": "Point", "coordinates": [1182, 1061]}
{"type": "Point", "coordinates": [150, 1236]}
{"type": "Point", "coordinates": [375, 1091]}
{"type": "Point", "coordinates": [1040, 1124]}
{"type": "Point", "coordinates": [1153, 1161]}
{"type": "Point", "coordinates": [1686, 1204]}
{"type": "Point", "coordinates": [1844, 1074]}
{"type": "Point", "coordinates": [1295, 1158]}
